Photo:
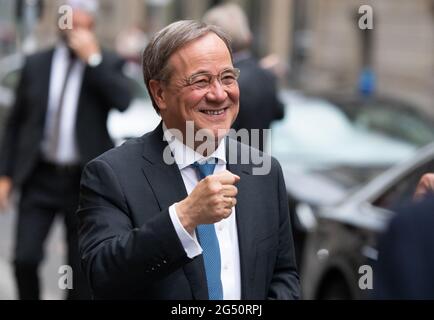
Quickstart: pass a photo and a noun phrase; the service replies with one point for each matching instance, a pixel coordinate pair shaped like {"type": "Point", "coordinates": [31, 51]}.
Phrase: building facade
{"type": "Point", "coordinates": [319, 40]}
{"type": "Point", "coordinates": [401, 52]}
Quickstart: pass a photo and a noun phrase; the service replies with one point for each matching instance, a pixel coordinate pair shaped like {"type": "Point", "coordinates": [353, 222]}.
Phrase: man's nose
{"type": "Point", "coordinates": [217, 92]}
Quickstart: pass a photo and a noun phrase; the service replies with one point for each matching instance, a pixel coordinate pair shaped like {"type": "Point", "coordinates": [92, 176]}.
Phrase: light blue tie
{"type": "Point", "coordinates": [210, 245]}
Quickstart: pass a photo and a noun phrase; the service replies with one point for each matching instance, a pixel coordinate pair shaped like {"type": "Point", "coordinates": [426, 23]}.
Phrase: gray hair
{"type": "Point", "coordinates": [232, 19]}
{"type": "Point", "coordinates": [169, 40]}
{"type": "Point", "coordinates": [89, 6]}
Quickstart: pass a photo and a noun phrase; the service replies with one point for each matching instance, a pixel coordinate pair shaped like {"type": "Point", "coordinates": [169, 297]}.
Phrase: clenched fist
{"type": "Point", "coordinates": [211, 201]}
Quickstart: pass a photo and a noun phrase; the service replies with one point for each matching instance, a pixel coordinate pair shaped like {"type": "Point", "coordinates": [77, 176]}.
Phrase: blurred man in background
{"type": "Point", "coordinates": [259, 104]}
{"type": "Point", "coordinates": [425, 186]}
{"type": "Point", "coordinates": [406, 250]}
{"type": "Point", "coordinates": [130, 44]}
{"type": "Point", "coordinates": [58, 124]}
{"type": "Point", "coordinates": [404, 269]}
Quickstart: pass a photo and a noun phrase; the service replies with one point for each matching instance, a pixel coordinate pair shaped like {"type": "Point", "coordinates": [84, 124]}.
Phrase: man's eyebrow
{"type": "Point", "coordinates": [199, 72]}
{"type": "Point", "coordinates": [202, 71]}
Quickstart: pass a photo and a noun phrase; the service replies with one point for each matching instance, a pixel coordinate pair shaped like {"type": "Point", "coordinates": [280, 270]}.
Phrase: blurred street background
{"type": "Point", "coordinates": [317, 42]}
{"type": "Point", "coordinates": [374, 87]}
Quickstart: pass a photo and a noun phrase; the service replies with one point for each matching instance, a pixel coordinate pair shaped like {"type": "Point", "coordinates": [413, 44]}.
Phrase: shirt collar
{"type": "Point", "coordinates": [185, 156]}
{"type": "Point", "coordinates": [61, 48]}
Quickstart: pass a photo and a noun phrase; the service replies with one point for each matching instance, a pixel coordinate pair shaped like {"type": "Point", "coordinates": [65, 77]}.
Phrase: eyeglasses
{"type": "Point", "coordinates": [203, 80]}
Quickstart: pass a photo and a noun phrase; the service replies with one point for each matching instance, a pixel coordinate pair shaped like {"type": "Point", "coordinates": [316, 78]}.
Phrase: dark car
{"type": "Point", "coordinates": [326, 151]}
{"type": "Point", "coordinates": [388, 116]}
{"type": "Point", "coordinates": [343, 238]}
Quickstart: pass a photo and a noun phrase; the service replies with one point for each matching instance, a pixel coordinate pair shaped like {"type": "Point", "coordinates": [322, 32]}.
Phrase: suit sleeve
{"type": "Point", "coordinates": [115, 255]}
{"type": "Point", "coordinates": [285, 283]}
{"type": "Point", "coordinates": [109, 81]}
{"type": "Point", "coordinates": [13, 127]}
{"type": "Point", "coordinates": [404, 269]}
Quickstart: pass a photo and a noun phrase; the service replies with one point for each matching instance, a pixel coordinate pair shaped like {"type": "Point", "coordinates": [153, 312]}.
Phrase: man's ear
{"type": "Point", "coordinates": [157, 92]}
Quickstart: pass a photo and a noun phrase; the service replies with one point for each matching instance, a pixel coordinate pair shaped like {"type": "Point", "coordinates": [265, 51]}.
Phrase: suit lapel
{"type": "Point", "coordinates": [168, 187]}
{"type": "Point", "coordinates": [244, 213]}
{"type": "Point", "coordinates": [45, 77]}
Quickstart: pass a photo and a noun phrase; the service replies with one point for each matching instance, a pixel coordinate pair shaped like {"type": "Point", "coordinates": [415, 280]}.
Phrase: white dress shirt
{"type": "Point", "coordinates": [226, 229]}
{"type": "Point", "coordinates": [67, 152]}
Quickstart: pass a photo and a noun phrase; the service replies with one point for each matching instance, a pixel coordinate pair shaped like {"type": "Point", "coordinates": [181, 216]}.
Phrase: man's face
{"type": "Point", "coordinates": [213, 108]}
{"type": "Point", "coordinates": [80, 20]}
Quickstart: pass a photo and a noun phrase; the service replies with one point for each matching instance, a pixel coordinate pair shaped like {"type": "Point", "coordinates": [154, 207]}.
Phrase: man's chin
{"type": "Point", "coordinates": [211, 136]}
{"type": "Point", "coordinates": [221, 133]}
{"type": "Point", "coordinates": [217, 134]}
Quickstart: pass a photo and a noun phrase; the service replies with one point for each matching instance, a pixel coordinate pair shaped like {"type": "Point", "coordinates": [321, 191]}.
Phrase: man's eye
{"type": "Point", "coordinates": [228, 78]}
{"type": "Point", "coordinates": [201, 81]}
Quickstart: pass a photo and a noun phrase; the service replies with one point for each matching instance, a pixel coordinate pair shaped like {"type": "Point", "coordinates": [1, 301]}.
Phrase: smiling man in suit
{"type": "Point", "coordinates": [57, 125]}
{"type": "Point", "coordinates": [163, 217]}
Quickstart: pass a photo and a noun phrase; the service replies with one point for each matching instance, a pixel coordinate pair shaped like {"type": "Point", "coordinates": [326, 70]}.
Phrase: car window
{"type": "Point", "coordinates": [11, 79]}
{"type": "Point", "coordinates": [139, 89]}
{"type": "Point", "coordinates": [404, 189]}
{"type": "Point", "coordinates": [134, 73]}
{"type": "Point", "coordinates": [316, 134]}
{"type": "Point", "coordinates": [402, 125]}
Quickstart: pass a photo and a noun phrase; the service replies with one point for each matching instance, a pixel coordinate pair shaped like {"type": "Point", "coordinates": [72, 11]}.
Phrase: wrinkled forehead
{"type": "Point", "coordinates": [208, 53]}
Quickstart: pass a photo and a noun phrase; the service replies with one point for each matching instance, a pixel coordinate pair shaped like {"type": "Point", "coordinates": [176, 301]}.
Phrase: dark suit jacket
{"type": "Point", "coordinates": [259, 101]}
{"type": "Point", "coordinates": [406, 255]}
{"type": "Point", "coordinates": [130, 249]}
{"type": "Point", "coordinates": [103, 87]}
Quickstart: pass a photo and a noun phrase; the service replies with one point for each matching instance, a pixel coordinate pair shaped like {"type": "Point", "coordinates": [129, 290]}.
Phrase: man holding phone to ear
{"type": "Point", "coordinates": [58, 123]}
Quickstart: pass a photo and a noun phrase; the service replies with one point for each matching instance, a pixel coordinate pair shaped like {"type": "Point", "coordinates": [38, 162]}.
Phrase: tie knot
{"type": "Point", "coordinates": [206, 168]}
